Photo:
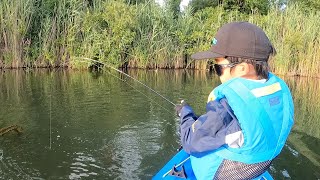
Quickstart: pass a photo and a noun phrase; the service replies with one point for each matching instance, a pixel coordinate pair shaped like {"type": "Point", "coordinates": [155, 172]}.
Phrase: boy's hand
{"type": "Point", "coordinates": [178, 107]}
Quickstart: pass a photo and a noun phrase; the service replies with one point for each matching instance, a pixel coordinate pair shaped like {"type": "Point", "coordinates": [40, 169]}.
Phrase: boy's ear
{"type": "Point", "coordinates": [244, 68]}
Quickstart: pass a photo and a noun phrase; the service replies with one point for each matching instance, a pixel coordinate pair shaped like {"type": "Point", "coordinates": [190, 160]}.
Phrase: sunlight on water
{"type": "Point", "coordinates": [293, 152]}
{"type": "Point", "coordinates": [11, 169]}
{"type": "Point", "coordinates": [128, 154]}
{"type": "Point", "coordinates": [80, 166]}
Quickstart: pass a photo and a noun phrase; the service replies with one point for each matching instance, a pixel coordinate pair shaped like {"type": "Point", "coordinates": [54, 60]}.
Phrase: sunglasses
{"type": "Point", "coordinates": [219, 67]}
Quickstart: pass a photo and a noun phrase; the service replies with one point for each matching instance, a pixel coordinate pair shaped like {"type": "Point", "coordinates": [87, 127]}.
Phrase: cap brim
{"type": "Point", "coordinates": [206, 55]}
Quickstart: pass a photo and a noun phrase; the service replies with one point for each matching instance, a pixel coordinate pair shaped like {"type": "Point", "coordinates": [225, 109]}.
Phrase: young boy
{"type": "Point", "coordinates": [248, 117]}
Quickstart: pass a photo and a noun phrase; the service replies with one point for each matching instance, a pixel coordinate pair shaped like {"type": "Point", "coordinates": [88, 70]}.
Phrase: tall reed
{"type": "Point", "coordinates": [59, 30]}
{"type": "Point", "coordinates": [15, 19]}
{"type": "Point", "coordinates": [295, 35]}
{"type": "Point", "coordinates": [154, 45]}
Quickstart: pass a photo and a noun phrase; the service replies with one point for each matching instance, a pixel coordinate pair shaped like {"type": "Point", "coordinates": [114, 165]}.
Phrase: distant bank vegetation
{"type": "Point", "coordinates": [49, 33]}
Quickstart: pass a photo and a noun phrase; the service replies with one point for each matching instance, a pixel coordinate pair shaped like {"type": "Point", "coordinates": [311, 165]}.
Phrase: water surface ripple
{"type": "Point", "coordinates": [81, 125]}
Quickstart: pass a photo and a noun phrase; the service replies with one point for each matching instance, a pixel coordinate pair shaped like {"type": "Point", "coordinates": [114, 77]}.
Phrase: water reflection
{"type": "Point", "coordinates": [105, 128]}
{"type": "Point", "coordinates": [300, 157]}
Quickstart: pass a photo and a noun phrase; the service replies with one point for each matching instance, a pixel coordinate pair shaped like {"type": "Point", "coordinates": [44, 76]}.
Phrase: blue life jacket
{"type": "Point", "coordinates": [265, 113]}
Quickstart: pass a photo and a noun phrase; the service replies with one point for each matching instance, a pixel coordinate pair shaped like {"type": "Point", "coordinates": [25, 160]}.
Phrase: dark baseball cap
{"type": "Point", "coordinates": [239, 39]}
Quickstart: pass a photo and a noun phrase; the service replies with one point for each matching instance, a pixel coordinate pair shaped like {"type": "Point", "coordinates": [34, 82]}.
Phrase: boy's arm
{"type": "Point", "coordinates": [211, 130]}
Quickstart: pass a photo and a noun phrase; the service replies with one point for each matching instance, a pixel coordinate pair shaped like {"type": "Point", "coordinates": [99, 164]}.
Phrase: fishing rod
{"type": "Point", "coordinates": [176, 166]}
{"type": "Point", "coordinates": [182, 162]}
{"type": "Point", "coordinates": [131, 78]}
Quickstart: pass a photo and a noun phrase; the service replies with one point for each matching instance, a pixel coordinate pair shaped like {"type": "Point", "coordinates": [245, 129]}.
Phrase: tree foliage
{"type": "Point", "coordinates": [308, 5]}
{"type": "Point", "coordinates": [244, 6]}
{"type": "Point", "coordinates": [201, 4]}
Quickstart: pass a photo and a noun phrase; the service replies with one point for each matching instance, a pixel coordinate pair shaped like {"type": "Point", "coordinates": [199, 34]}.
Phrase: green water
{"type": "Point", "coordinates": [81, 125]}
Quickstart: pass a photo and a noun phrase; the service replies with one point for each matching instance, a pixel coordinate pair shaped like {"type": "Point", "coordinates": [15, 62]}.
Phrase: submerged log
{"type": "Point", "coordinates": [15, 128]}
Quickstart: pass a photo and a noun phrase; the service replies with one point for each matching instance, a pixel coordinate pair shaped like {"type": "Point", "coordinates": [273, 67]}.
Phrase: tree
{"type": "Point", "coordinates": [245, 6]}
{"type": "Point", "coordinates": [201, 4]}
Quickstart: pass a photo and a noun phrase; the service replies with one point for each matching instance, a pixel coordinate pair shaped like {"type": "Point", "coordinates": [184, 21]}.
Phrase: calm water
{"type": "Point", "coordinates": [80, 125]}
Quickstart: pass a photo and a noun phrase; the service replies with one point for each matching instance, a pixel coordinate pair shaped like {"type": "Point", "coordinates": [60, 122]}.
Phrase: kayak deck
{"type": "Point", "coordinates": [180, 166]}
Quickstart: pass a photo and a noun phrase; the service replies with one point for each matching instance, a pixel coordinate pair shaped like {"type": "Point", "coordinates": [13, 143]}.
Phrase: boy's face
{"type": "Point", "coordinates": [226, 72]}
{"type": "Point", "coordinates": [244, 70]}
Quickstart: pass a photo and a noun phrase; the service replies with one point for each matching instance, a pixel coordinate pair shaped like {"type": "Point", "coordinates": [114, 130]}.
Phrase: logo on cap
{"type": "Point", "coordinates": [214, 41]}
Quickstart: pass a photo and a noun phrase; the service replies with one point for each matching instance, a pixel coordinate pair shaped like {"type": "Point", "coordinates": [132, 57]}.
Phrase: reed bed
{"type": "Point", "coordinates": [52, 33]}
{"type": "Point", "coordinates": [295, 35]}
{"type": "Point", "coordinates": [15, 20]}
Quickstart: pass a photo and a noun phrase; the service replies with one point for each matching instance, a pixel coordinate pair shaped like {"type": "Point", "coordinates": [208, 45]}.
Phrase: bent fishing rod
{"type": "Point", "coordinates": [149, 88]}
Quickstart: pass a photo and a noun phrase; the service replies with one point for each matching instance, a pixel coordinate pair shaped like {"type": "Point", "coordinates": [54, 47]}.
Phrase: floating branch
{"type": "Point", "coordinates": [15, 128]}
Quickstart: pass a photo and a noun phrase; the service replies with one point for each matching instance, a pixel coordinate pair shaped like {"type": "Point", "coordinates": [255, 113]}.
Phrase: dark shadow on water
{"type": "Point", "coordinates": [299, 159]}
{"type": "Point", "coordinates": [312, 143]}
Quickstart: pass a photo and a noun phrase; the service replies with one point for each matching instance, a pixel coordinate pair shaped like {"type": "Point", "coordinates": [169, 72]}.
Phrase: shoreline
{"type": "Point", "coordinates": [27, 69]}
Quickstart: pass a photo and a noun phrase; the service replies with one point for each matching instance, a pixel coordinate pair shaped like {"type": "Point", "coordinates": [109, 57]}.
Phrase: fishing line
{"type": "Point", "coordinates": [50, 108]}
{"type": "Point", "coordinates": [139, 91]}
{"type": "Point", "coordinates": [50, 121]}
{"type": "Point", "coordinates": [132, 78]}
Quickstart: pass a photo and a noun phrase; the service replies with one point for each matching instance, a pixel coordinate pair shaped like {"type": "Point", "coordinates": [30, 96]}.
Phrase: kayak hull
{"type": "Point", "coordinates": [181, 161]}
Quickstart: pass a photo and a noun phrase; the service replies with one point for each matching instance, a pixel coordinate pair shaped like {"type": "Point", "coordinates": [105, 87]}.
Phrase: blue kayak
{"type": "Point", "coordinates": [179, 167]}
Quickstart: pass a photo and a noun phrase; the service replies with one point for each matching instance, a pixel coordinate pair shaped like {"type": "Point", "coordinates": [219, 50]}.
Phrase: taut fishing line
{"type": "Point", "coordinates": [139, 91]}
{"type": "Point", "coordinates": [131, 78]}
